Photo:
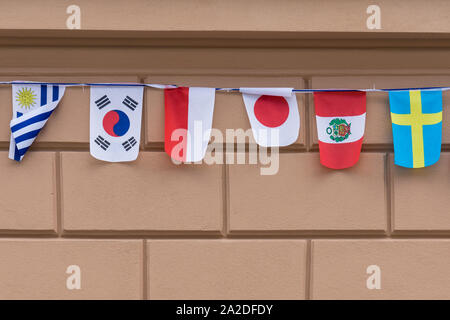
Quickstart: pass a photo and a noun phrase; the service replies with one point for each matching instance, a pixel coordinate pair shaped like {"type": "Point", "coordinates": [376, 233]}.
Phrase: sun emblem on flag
{"type": "Point", "coordinates": [338, 130]}
{"type": "Point", "coordinates": [26, 98]}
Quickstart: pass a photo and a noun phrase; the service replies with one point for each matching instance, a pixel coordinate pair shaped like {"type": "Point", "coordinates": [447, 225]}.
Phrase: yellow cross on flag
{"type": "Point", "coordinates": [416, 131]}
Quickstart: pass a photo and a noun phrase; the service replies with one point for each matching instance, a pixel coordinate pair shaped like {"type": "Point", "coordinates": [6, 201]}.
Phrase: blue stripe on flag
{"type": "Point", "coordinates": [43, 95]}
{"type": "Point", "coordinates": [55, 93]}
{"type": "Point", "coordinates": [39, 117]}
{"type": "Point", "coordinates": [16, 154]}
{"type": "Point", "coordinates": [22, 152]}
{"type": "Point", "coordinates": [28, 135]}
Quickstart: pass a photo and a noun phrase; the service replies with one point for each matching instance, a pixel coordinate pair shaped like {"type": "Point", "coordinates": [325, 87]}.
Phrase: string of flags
{"type": "Point", "coordinates": [116, 112]}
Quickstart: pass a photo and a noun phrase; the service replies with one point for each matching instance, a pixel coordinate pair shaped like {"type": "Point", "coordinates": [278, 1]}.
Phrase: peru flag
{"type": "Point", "coordinates": [341, 118]}
{"type": "Point", "coordinates": [188, 121]}
{"type": "Point", "coordinates": [273, 115]}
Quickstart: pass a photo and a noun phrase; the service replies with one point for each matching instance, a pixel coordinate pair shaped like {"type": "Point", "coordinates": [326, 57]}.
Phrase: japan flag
{"type": "Point", "coordinates": [273, 115]}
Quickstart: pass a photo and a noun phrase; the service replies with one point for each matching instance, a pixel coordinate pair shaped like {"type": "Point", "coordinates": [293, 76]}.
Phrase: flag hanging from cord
{"type": "Point", "coordinates": [32, 106]}
{"type": "Point", "coordinates": [416, 127]}
{"type": "Point", "coordinates": [115, 122]}
{"type": "Point", "coordinates": [273, 115]}
{"type": "Point", "coordinates": [340, 118]}
{"type": "Point", "coordinates": [188, 122]}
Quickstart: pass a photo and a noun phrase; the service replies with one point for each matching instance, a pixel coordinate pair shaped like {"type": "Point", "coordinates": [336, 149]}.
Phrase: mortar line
{"type": "Point", "coordinates": [308, 270]}
{"type": "Point", "coordinates": [226, 200]}
{"type": "Point", "coordinates": [397, 236]}
{"type": "Point", "coordinates": [145, 295]}
{"type": "Point", "coordinates": [144, 128]}
{"type": "Point", "coordinates": [307, 122]}
{"type": "Point", "coordinates": [389, 196]}
{"type": "Point", "coordinates": [58, 191]}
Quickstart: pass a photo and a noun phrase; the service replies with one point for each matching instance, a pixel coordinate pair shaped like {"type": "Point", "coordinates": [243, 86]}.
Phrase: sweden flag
{"type": "Point", "coordinates": [416, 126]}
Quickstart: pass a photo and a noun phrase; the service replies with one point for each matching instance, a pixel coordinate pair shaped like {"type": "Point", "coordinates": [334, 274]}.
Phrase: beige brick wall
{"type": "Point", "coordinates": [153, 230]}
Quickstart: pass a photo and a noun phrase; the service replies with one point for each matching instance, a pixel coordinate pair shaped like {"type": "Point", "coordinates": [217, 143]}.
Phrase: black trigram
{"type": "Point", "coordinates": [102, 142]}
{"type": "Point", "coordinates": [130, 103]}
{"type": "Point", "coordinates": [102, 102]}
{"type": "Point", "coordinates": [128, 144]}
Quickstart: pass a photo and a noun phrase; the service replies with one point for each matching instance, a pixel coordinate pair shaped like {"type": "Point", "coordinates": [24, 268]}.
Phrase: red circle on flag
{"type": "Point", "coordinates": [271, 111]}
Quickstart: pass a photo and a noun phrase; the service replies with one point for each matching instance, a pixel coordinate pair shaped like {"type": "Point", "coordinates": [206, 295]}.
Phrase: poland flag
{"type": "Point", "coordinates": [273, 115]}
{"type": "Point", "coordinates": [188, 121]}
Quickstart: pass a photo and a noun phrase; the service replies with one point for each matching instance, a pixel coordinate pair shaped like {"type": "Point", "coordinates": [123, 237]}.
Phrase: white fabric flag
{"type": "Point", "coordinates": [115, 122]}
{"type": "Point", "coordinates": [32, 106]}
{"type": "Point", "coordinates": [273, 115]}
{"type": "Point", "coordinates": [188, 122]}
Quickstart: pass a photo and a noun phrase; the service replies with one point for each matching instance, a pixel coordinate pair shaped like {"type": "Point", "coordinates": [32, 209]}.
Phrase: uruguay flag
{"type": "Point", "coordinates": [32, 106]}
{"type": "Point", "coordinates": [416, 126]}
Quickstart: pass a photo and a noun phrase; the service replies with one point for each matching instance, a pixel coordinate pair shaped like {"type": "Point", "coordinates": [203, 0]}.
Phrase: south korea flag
{"type": "Point", "coordinates": [115, 123]}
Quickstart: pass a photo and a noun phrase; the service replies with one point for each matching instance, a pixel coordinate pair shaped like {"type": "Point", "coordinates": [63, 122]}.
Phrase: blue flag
{"type": "Point", "coordinates": [416, 126]}
{"type": "Point", "coordinates": [32, 106]}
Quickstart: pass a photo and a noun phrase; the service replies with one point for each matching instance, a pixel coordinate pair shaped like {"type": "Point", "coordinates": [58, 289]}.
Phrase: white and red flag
{"type": "Point", "coordinates": [188, 121]}
{"type": "Point", "coordinates": [341, 118]}
{"type": "Point", "coordinates": [273, 115]}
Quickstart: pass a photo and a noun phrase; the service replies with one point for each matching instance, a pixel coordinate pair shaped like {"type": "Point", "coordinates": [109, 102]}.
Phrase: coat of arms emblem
{"type": "Point", "coordinates": [338, 130]}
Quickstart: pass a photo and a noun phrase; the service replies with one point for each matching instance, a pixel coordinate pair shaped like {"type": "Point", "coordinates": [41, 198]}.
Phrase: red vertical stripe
{"type": "Point", "coordinates": [335, 104]}
{"type": "Point", "coordinates": [176, 117]}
